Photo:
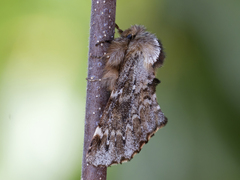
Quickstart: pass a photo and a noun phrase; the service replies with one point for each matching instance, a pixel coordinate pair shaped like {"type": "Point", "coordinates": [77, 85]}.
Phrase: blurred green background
{"type": "Point", "coordinates": [43, 66]}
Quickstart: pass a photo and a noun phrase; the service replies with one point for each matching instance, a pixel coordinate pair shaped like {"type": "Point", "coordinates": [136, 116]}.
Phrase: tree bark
{"type": "Point", "coordinates": [101, 29]}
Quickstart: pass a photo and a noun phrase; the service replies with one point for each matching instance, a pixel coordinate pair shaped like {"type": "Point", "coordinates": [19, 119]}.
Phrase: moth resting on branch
{"type": "Point", "coordinates": [132, 114]}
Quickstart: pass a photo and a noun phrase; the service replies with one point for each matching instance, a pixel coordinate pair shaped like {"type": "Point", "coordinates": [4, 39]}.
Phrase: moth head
{"type": "Point", "coordinates": [133, 32]}
{"type": "Point", "coordinates": [137, 39]}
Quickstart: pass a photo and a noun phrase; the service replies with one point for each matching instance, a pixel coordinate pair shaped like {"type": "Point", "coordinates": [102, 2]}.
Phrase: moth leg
{"type": "Point", "coordinates": [109, 41]}
{"type": "Point", "coordinates": [104, 41]}
{"type": "Point", "coordinates": [93, 80]}
{"type": "Point", "coordinates": [97, 57]}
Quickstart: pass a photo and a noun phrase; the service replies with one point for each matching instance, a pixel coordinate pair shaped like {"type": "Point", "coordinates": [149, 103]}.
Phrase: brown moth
{"type": "Point", "coordinates": [132, 114]}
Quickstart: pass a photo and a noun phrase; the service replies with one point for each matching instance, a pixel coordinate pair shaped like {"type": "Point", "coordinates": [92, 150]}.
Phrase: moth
{"type": "Point", "coordinates": [132, 114]}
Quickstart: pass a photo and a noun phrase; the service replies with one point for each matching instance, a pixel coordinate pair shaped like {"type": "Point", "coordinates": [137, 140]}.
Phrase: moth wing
{"type": "Point", "coordinates": [131, 117]}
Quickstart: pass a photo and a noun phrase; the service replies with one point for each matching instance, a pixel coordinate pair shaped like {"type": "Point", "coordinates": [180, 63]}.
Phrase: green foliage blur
{"type": "Point", "coordinates": [43, 66]}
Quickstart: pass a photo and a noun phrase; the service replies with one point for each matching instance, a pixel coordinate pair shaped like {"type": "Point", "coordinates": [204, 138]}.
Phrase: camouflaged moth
{"type": "Point", "coordinates": [132, 114]}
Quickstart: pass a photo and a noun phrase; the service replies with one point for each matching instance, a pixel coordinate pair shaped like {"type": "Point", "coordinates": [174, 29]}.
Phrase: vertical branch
{"type": "Point", "coordinates": [101, 28]}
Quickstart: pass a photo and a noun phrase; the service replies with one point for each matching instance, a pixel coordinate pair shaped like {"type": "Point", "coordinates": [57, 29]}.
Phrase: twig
{"type": "Point", "coordinates": [102, 29]}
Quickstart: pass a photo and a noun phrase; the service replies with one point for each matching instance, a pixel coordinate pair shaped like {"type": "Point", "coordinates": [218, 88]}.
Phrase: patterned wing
{"type": "Point", "coordinates": [131, 117]}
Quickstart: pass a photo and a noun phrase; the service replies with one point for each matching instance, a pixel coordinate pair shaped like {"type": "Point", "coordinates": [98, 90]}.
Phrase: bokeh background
{"type": "Point", "coordinates": [43, 66]}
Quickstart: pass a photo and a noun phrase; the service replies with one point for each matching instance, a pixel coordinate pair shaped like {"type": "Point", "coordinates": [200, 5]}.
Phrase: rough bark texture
{"type": "Point", "coordinates": [101, 28]}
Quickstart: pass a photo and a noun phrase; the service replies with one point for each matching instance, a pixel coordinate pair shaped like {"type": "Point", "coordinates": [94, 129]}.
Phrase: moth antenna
{"type": "Point", "coordinates": [119, 30]}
